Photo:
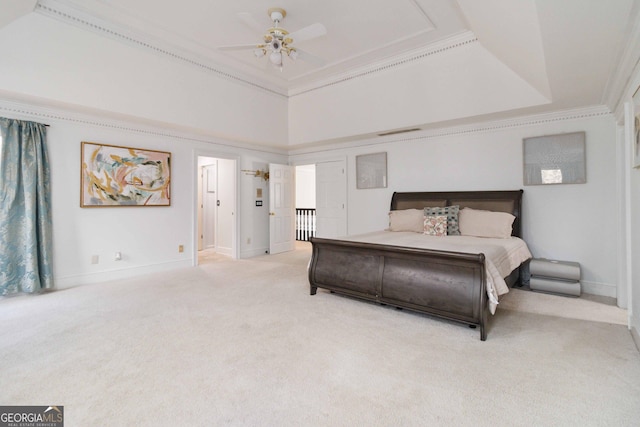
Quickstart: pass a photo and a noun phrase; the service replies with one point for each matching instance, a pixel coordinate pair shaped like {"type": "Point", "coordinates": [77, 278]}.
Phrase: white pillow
{"type": "Point", "coordinates": [407, 220]}
{"type": "Point", "coordinates": [473, 222]}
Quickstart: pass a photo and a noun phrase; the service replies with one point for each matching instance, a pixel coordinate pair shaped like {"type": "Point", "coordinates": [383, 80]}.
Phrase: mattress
{"type": "Point", "coordinates": [502, 256]}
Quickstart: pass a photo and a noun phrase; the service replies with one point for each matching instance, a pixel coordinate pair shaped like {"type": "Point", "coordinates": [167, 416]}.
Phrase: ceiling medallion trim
{"type": "Point", "coordinates": [48, 8]}
{"type": "Point", "coordinates": [452, 43]}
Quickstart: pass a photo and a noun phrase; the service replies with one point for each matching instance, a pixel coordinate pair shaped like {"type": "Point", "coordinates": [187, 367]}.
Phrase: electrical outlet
{"type": "Point", "coordinates": [118, 256]}
{"type": "Point", "coordinates": [180, 248]}
{"type": "Point", "coordinates": [95, 259]}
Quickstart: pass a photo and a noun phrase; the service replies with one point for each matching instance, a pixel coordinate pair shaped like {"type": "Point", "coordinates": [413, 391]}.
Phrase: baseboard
{"type": "Point", "coordinates": [636, 337]}
{"type": "Point", "coordinates": [224, 251]}
{"type": "Point", "coordinates": [254, 252]}
{"type": "Point", "coordinates": [66, 282]}
{"type": "Point", "coordinates": [602, 289]}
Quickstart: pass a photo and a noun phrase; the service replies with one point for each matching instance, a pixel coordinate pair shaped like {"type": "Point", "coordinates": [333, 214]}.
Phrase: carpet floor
{"type": "Point", "coordinates": [241, 342]}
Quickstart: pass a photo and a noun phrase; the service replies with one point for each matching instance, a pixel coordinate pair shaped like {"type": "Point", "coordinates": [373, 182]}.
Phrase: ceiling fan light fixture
{"type": "Point", "coordinates": [276, 58]}
{"type": "Point", "coordinates": [278, 41]}
{"type": "Point", "coordinates": [276, 14]}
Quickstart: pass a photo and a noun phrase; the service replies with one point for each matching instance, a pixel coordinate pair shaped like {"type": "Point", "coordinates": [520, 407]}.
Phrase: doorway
{"type": "Point", "coordinates": [321, 188]}
{"type": "Point", "coordinates": [305, 203]}
{"type": "Point", "coordinates": [216, 209]}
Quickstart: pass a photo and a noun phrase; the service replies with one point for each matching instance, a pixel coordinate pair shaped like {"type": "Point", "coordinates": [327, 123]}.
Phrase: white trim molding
{"type": "Point", "coordinates": [124, 29]}
{"type": "Point", "coordinates": [478, 127]}
{"type": "Point", "coordinates": [65, 282]}
{"type": "Point", "coordinates": [596, 288]}
{"type": "Point", "coordinates": [626, 66]}
{"type": "Point", "coordinates": [457, 41]}
{"type": "Point", "coordinates": [78, 18]}
{"type": "Point", "coordinates": [42, 112]}
{"type": "Point", "coordinates": [636, 337]}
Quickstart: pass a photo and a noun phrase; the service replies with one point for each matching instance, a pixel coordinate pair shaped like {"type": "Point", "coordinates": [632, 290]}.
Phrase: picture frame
{"type": "Point", "coordinates": [371, 170]}
{"type": "Point", "coordinates": [636, 128]}
{"type": "Point", "coordinates": [119, 176]}
{"type": "Point", "coordinates": [554, 159]}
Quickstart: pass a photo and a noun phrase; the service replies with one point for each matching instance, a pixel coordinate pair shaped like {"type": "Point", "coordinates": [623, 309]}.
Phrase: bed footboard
{"type": "Point", "coordinates": [449, 285]}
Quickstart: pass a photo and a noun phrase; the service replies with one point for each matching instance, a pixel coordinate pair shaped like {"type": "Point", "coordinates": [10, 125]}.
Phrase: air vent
{"type": "Point", "coordinates": [395, 132]}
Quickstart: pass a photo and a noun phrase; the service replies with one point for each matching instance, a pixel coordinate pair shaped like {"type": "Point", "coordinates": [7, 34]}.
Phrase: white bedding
{"type": "Point", "coordinates": [502, 256]}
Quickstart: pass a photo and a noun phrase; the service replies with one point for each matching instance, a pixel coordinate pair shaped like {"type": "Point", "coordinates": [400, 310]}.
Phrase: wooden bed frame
{"type": "Point", "coordinates": [450, 285]}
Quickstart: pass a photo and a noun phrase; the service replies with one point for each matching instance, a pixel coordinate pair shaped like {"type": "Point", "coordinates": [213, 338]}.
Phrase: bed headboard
{"type": "Point", "coordinates": [498, 201]}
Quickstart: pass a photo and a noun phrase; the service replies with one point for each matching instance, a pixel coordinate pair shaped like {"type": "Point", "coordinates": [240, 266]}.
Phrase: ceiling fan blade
{"type": "Point", "coordinates": [251, 22]}
{"type": "Point", "coordinates": [308, 33]}
{"type": "Point", "coordinates": [240, 47]}
{"type": "Point", "coordinates": [311, 59]}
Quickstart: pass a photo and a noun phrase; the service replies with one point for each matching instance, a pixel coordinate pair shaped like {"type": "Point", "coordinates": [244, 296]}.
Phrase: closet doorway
{"type": "Point", "coordinates": [216, 206]}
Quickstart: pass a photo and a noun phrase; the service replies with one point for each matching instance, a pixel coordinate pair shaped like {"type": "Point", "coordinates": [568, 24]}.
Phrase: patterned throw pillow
{"type": "Point", "coordinates": [451, 213]}
{"type": "Point", "coordinates": [435, 225]}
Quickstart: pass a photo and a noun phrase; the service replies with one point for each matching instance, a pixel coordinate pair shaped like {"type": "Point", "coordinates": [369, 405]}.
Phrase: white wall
{"type": "Point", "coordinates": [566, 222]}
{"type": "Point", "coordinates": [405, 96]}
{"type": "Point", "coordinates": [147, 237]}
{"type": "Point", "coordinates": [306, 186]}
{"type": "Point", "coordinates": [255, 219]}
{"type": "Point", "coordinates": [51, 60]}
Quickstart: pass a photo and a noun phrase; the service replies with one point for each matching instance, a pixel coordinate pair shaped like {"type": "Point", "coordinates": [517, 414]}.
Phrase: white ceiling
{"type": "Point", "coordinates": [565, 50]}
{"type": "Point", "coordinates": [359, 32]}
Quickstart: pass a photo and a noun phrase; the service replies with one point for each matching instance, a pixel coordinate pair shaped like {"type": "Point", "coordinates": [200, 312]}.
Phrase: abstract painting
{"type": "Point", "coordinates": [124, 176]}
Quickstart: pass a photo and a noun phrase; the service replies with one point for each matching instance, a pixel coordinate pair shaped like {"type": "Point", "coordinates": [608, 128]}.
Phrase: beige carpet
{"type": "Point", "coordinates": [243, 343]}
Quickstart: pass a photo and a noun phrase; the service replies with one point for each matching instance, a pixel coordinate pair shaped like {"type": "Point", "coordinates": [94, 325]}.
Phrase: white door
{"type": "Point", "coordinates": [331, 199]}
{"type": "Point", "coordinates": [226, 207]}
{"type": "Point", "coordinates": [209, 205]}
{"type": "Point", "coordinates": [200, 209]}
{"type": "Point", "coordinates": [281, 208]}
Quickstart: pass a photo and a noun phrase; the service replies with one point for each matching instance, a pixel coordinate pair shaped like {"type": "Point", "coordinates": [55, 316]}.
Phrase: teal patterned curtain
{"type": "Point", "coordinates": [25, 212]}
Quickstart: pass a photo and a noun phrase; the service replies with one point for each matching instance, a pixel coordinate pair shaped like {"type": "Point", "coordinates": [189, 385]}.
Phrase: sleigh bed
{"type": "Point", "coordinates": [447, 283]}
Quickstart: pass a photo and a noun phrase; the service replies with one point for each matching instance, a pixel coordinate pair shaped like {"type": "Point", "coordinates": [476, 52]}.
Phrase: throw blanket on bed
{"type": "Point", "coordinates": [502, 256]}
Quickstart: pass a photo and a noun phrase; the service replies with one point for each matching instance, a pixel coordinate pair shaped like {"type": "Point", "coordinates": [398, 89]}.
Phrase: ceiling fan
{"type": "Point", "coordinates": [278, 42]}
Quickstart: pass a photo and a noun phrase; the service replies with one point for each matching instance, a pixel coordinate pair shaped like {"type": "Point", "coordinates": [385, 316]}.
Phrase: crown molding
{"type": "Point", "coordinates": [42, 111]}
{"type": "Point", "coordinates": [71, 15]}
{"type": "Point", "coordinates": [51, 112]}
{"type": "Point", "coordinates": [617, 90]}
{"type": "Point", "coordinates": [468, 129]}
{"type": "Point", "coordinates": [459, 40]}
{"type": "Point", "coordinates": [193, 55]}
